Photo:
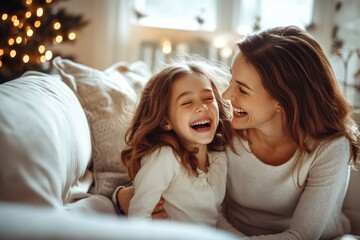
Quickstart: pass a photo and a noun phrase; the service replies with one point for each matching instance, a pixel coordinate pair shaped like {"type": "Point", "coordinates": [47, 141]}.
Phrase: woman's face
{"type": "Point", "coordinates": [252, 105]}
{"type": "Point", "coordinates": [193, 112]}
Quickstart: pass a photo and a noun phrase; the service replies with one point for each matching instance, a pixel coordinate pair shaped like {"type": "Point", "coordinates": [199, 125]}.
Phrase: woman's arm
{"type": "Point", "coordinates": [124, 195]}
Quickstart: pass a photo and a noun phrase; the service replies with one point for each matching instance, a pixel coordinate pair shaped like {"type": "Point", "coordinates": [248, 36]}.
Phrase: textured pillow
{"type": "Point", "coordinates": [45, 142]}
{"type": "Point", "coordinates": [108, 102]}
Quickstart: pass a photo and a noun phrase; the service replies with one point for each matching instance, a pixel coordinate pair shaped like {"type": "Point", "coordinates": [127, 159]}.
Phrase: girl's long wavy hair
{"type": "Point", "coordinates": [296, 72]}
{"type": "Point", "coordinates": [145, 134]}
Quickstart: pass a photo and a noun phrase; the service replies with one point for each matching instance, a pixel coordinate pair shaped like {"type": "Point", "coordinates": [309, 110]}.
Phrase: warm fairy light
{"type": "Point", "coordinates": [28, 2]}
{"type": "Point", "coordinates": [4, 16]}
{"type": "Point", "coordinates": [48, 1]}
{"type": "Point", "coordinates": [11, 41]}
{"type": "Point", "coordinates": [21, 25]}
{"type": "Point", "coordinates": [37, 24]}
{"type": "Point", "coordinates": [39, 12]}
{"type": "Point", "coordinates": [28, 14]}
{"type": "Point", "coordinates": [41, 49]}
{"type": "Point", "coordinates": [226, 52]}
{"type": "Point", "coordinates": [166, 46]}
{"type": "Point", "coordinates": [48, 55]}
{"type": "Point", "coordinates": [1, 52]}
{"type": "Point", "coordinates": [26, 58]}
{"type": "Point", "coordinates": [29, 32]}
{"type": "Point", "coordinates": [14, 17]}
{"type": "Point", "coordinates": [18, 40]}
{"type": "Point", "coordinates": [12, 53]}
{"type": "Point", "coordinates": [72, 36]}
{"type": "Point", "coordinates": [58, 38]}
{"type": "Point", "coordinates": [0, 63]}
{"type": "Point", "coordinates": [42, 58]}
{"type": "Point", "coordinates": [57, 25]}
{"type": "Point", "coordinates": [16, 22]}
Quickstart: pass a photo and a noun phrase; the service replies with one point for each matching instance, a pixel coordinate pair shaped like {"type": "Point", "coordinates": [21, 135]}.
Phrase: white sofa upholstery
{"type": "Point", "coordinates": [54, 184]}
{"type": "Point", "coordinates": [46, 173]}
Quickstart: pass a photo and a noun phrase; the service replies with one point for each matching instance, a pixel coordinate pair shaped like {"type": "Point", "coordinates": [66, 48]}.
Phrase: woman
{"type": "Point", "coordinates": [296, 140]}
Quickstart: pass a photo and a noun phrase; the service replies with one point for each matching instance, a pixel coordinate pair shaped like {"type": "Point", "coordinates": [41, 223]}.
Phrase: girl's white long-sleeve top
{"type": "Point", "coordinates": [265, 202]}
{"type": "Point", "coordinates": [187, 198]}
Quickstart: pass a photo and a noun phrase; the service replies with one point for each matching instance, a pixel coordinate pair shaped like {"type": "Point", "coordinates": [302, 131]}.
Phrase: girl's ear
{"type": "Point", "coordinates": [165, 125]}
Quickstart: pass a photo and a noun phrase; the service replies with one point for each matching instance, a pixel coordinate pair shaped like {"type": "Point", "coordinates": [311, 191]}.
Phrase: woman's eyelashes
{"type": "Point", "coordinates": [242, 90]}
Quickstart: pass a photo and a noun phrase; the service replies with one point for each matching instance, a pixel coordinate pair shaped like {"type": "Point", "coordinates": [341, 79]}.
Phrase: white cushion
{"type": "Point", "coordinates": [108, 101]}
{"type": "Point", "coordinates": [44, 142]}
{"type": "Point", "coordinates": [351, 205]}
{"type": "Point", "coordinates": [29, 222]}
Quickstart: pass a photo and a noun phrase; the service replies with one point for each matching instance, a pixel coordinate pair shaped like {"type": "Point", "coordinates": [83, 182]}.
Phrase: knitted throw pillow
{"type": "Point", "coordinates": [108, 101]}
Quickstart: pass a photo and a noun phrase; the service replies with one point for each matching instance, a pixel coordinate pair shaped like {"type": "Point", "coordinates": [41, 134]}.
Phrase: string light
{"type": "Point", "coordinates": [28, 14]}
{"type": "Point", "coordinates": [29, 32]}
{"type": "Point", "coordinates": [37, 23]}
{"type": "Point", "coordinates": [0, 63]}
{"type": "Point", "coordinates": [18, 40]}
{"type": "Point", "coordinates": [4, 16]}
{"type": "Point", "coordinates": [42, 58]}
{"type": "Point", "coordinates": [11, 41]}
{"type": "Point", "coordinates": [41, 49]}
{"type": "Point", "coordinates": [12, 53]}
{"type": "Point", "coordinates": [26, 58]}
{"type": "Point", "coordinates": [48, 1]}
{"type": "Point", "coordinates": [58, 38]}
{"type": "Point", "coordinates": [16, 22]}
{"type": "Point", "coordinates": [72, 36]}
{"type": "Point", "coordinates": [13, 18]}
{"type": "Point", "coordinates": [28, 2]}
{"type": "Point", "coordinates": [57, 25]}
{"type": "Point", "coordinates": [39, 12]}
{"type": "Point", "coordinates": [48, 55]}
{"type": "Point", "coordinates": [1, 52]}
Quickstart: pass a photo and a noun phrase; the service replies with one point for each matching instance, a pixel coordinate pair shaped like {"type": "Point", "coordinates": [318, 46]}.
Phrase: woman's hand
{"type": "Point", "coordinates": [124, 196]}
{"type": "Point", "coordinates": [159, 210]}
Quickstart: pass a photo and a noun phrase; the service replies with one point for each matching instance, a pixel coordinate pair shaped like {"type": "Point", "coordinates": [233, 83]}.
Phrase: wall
{"type": "Point", "coordinates": [109, 37]}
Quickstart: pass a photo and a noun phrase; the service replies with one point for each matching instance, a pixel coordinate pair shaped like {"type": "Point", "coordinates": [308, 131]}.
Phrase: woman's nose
{"type": "Point", "coordinates": [227, 94]}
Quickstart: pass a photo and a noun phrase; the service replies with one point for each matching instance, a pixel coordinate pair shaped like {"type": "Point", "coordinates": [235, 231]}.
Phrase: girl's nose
{"type": "Point", "coordinates": [201, 108]}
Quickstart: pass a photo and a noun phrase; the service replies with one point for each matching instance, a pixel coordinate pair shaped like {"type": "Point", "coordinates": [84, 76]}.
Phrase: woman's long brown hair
{"type": "Point", "coordinates": [296, 72]}
{"type": "Point", "coordinates": [145, 134]}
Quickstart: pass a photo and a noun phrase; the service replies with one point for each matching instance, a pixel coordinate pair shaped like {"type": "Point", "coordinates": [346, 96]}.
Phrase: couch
{"type": "Point", "coordinates": [60, 139]}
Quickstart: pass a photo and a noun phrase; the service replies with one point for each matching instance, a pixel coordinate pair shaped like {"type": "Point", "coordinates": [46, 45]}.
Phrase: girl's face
{"type": "Point", "coordinates": [193, 111]}
{"type": "Point", "coordinates": [253, 107]}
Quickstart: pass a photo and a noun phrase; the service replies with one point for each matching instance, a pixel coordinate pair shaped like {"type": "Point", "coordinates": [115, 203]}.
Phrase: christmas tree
{"type": "Point", "coordinates": [28, 29]}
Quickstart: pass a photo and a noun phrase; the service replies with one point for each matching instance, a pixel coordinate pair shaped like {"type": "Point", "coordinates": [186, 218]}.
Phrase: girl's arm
{"type": "Point", "coordinates": [154, 177]}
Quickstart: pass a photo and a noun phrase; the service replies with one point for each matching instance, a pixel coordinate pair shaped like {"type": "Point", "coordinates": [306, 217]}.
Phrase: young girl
{"type": "Point", "coordinates": [176, 142]}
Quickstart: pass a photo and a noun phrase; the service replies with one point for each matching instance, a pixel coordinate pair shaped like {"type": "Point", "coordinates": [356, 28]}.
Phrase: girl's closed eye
{"type": "Point", "coordinates": [186, 103]}
{"type": "Point", "coordinates": [209, 99]}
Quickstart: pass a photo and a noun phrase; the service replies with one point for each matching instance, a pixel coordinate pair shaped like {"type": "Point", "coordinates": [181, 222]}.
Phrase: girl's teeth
{"type": "Point", "coordinates": [200, 122]}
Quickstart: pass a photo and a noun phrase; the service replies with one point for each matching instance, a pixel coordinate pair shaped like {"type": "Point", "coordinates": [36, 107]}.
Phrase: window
{"type": "Point", "coordinates": [185, 14]}
{"type": "Point", "coordinates": [260, 14]}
